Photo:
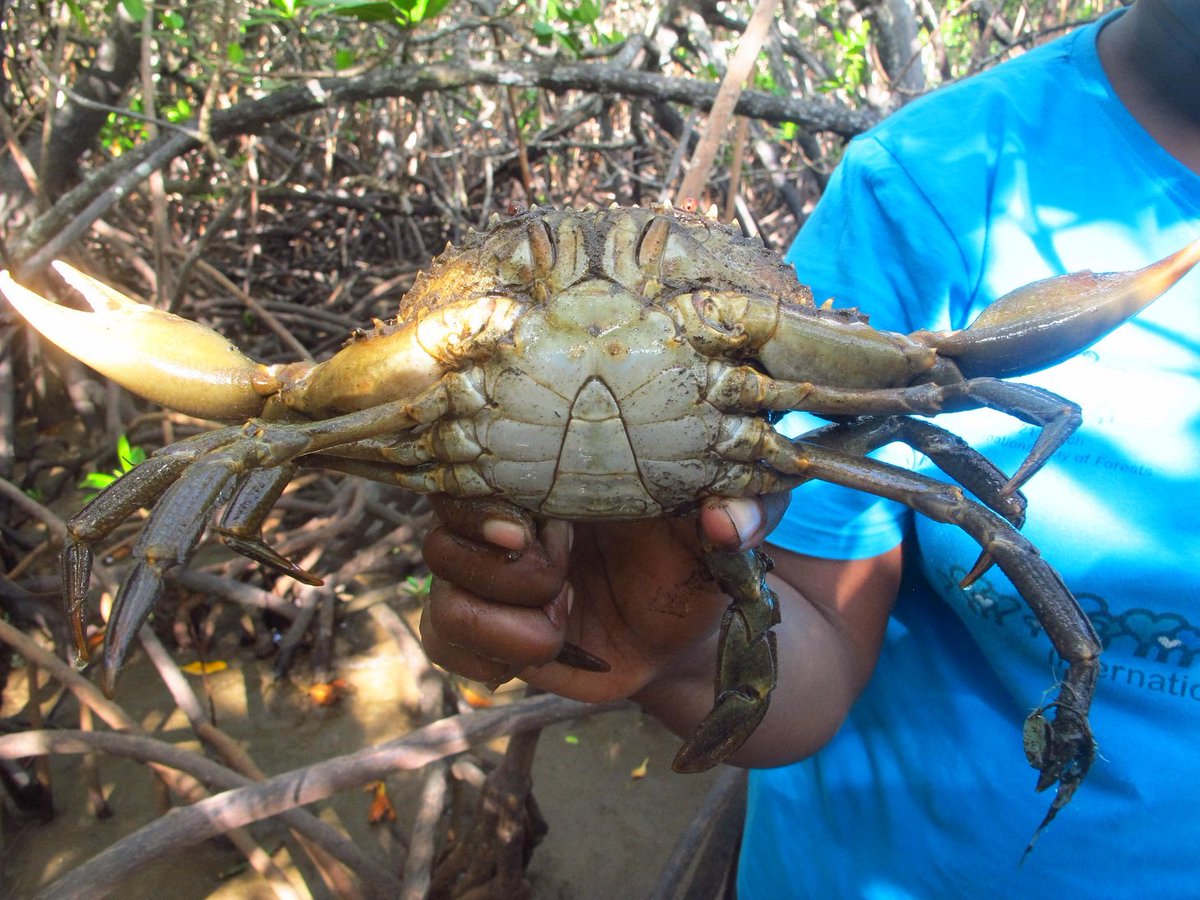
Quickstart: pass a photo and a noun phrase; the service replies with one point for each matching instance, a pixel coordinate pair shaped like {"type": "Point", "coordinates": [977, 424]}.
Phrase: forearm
{"type": "Point", "coordinates": [827, 641]}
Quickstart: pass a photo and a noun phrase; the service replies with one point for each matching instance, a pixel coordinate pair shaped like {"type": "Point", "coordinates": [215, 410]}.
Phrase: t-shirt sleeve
{"type": "Point", "coordinates": [875, 242]}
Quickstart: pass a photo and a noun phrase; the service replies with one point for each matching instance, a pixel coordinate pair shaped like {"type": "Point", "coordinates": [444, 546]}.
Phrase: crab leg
{"type": "Point", "coordinates": [241, 524]}
{"type": "Point", "coordinates": [746, 664]}
{"type": "Point", "coordinates": [138, 488]}
{"type": "Point", "coordinates": [168, 539]}
{"type": "Point", "coordinates": [1064, 747]}
{"type": "Point", "coordinates": [743, 389]}
{"type": "Point", "coordinates": [950, 453]}
{"type": "Point", "coordinates": [746, 661]}
{"type": "Point", "coordinates": [198, 475]}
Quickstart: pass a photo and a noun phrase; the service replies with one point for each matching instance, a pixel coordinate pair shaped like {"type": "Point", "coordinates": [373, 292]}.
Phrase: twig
{"type": "Point", "coordinates": [431, 685]}
{"type": "Point", "coordinates": [230, 589]}
{"type": "Point", "coordinates": [158, 199]}
{"type": "Point", "coordinates": [84, 690]}
{"type": "Point", "coordinates": [740, 134]}
{"type": "Point", "coordinates": [308, 601]}
{"type": "Point", "coordinates": [232, 753]}
{"type": "Point", "coordinates": [729, 788]}
{"type": "Point", "coordinates": [187, 701]}
{"type": "Point", "coordinates": [726, 100]}
{"type": "Point", "coordinates": [418, 867]}
{"type": "Point", "coordinates": [188, 826]}
{"type": "Point", "coordinates": [7, 404]}
{"type": "Point", "coordinates": [490, 859]}
{"type": "Point", "coordinates": [57, 527]}
{"type": "Point", "coordinates": [257, 308]}
{"type": "Point", "coordinates": [151, 751]}
{"type": "Point", "coordinates": [41, 766]}
{"type": "Point", "coordinates": [97, 802]}
{"type": "Point", "coordinates": [183, 785]}
{"type": "Point", "coordinates": [195, 766]}
{"type": "Point", "coordinates": [20, 157]}
{"type": "Point", "coordinates": [74, 213]}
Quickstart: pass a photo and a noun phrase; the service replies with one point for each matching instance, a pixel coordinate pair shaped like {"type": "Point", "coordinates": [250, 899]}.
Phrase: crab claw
{"type": "Point", "coordinates": [746, 661]}
{"type": "Point", "coordinates": [162, 357]}
{"type": "Point", "coordinates": [1023, 331]}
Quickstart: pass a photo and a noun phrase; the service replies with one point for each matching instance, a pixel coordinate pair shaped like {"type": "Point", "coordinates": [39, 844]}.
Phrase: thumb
{"type": "Point", "coordinates": [739, 523]}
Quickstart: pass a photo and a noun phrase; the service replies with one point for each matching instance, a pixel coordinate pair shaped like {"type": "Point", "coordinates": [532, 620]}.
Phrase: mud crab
{"type": "Point", "coordinates": [620, 363]}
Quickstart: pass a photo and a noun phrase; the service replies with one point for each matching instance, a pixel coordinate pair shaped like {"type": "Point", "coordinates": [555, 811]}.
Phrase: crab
{"type": "Point", "coordinates": [619, 363]}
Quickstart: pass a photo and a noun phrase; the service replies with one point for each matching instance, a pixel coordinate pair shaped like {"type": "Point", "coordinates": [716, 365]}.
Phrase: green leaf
{"type": "Point", "coordinates": [179, 111]}
{"type": "Point", "coordinates": [77, 14]}
{"type": "Point", "coordinates": [401, 12]}
{"type": "Point", "coordinates": [417, 587]}
{"type": "Point", "coordinates": [544, 32]}
{"type": "Point", "coordinates": [413, 12]}
{"type": "Point", "coordinates": [124, 452]}
{"type": "Point", "coordinates": [585, 12]}
{"type": "Point", "coordinates": [97, 481]}
{"type": "Point", "coordinates": [286, 9]}
{"type": "Point", "coordinates": [135, 8]}
{"type": "Point", "coordinates": [362, 10]}
{"type": "Point", "coordinates": [128, 455]}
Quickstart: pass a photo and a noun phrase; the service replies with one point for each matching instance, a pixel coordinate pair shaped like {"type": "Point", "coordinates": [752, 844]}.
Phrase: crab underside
{"type": "Point", "coordinates": [620, 364]}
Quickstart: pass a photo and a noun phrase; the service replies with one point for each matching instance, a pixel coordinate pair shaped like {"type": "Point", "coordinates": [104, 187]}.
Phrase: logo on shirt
{"type": "Point", "coordinates": [1164, 640]}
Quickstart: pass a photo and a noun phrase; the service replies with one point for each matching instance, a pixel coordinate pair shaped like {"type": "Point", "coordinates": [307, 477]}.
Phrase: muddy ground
{"type": "Point", "coordinates": [610, 831]}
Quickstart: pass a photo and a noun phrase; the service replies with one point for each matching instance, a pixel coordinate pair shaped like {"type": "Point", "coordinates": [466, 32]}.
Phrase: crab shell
{"type": "Point", "coordinates": [616, 363]}
{"type": "Point", "coordinates": [603, 359]}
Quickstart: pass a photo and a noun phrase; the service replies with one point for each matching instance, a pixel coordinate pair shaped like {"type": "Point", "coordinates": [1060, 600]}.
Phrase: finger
{"type": "Point", "coordinates": [485, 520]}
{"type": "Point", "coordinates": [468, 665]}
{"type": "Point", "coordinates": [531, 577]}
{"type": "Point", "coordinates": [460, 660]}
{"type": "Point", "coordinates": [460, 629]}
{"type": "Point", "coordinates": [743, 522]}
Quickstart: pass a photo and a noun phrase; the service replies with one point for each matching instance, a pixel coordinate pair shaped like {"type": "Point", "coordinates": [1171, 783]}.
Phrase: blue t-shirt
{"type": "Point", "coordinates": [1032, 169]}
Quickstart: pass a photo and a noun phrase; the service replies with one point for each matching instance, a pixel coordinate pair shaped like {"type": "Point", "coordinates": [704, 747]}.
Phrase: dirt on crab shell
{"type": "Point", "coordinates": [612, 828]}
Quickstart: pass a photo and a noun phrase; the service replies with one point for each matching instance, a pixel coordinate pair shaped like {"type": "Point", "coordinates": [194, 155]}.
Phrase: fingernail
{"type": "Point", "coordinates": [746, 518]}
{"type": "Point", "coordinates": [504, 533]}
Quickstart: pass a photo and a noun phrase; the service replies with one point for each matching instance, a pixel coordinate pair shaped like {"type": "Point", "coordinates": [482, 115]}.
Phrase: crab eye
{"type": "Point", "coordinates": [652, 244]}
{"type": "Point", "coordinates": [542, 248]}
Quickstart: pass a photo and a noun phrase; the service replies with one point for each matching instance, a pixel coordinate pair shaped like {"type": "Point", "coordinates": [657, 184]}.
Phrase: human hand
{"type": "Point", "coordinates": [509, 592]}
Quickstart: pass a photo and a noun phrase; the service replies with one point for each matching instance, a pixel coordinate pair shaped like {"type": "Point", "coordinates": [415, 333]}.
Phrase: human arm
{"type": "Point", "coordinates": [637, 595]}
